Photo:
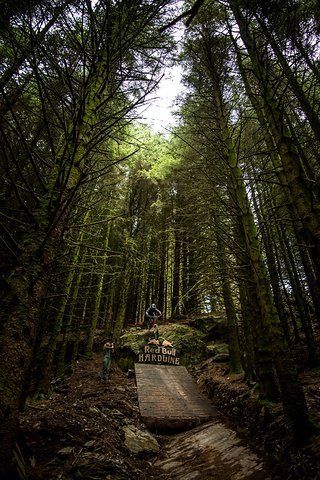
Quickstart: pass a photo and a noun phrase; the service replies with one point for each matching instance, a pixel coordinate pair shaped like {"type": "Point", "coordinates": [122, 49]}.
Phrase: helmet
{"type": "Point", "coordinates": [153, 305]}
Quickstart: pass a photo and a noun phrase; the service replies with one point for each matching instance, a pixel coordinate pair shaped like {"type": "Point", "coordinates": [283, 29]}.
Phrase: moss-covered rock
{"type": "Point", "coordinates": [217, 348]}
{"type": "Point", "coordinates": [186, 340]}
{"type": "Point", "coordinates": [214, 326]}
{"type": "Point", "coordinates": [130, 344]}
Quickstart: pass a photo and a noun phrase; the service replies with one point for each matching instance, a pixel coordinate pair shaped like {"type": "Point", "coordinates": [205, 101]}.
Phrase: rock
{"type": "Point", "coordinates": [120, 389]}
{"type": "Point", "coordinates": [94, 410]}
{"type": "Point", "coordinates": [217, 348]}
{"type": "Point", "coordinates": [221, 357]}
{"type": "Point", "coordinates": [139, 441]}
{"type": "Point", "coordinates": [66, 451]}
{"type": "Point", "coordinates": [213, 326]}
{"type": "Point", "coordinates": [89, 444]}
{"type": "Point", "coordinates": [186, 340]}
{"type": "Point", "coordinates": [130, 344]}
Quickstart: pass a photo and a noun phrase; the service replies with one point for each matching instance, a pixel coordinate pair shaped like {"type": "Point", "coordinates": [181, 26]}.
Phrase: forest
{"type": "Point", "coordinates": [102, 216]}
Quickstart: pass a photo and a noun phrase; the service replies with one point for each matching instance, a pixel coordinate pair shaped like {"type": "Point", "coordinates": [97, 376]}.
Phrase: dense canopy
{"type": "Point", "coordinates": [101, 216]}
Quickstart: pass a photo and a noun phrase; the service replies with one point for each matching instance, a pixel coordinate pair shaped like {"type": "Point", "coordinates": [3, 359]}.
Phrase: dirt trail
{"type": "Point", "coordinates": [78, 433]}
{"type": "Point", "coordinates": [211, 451]}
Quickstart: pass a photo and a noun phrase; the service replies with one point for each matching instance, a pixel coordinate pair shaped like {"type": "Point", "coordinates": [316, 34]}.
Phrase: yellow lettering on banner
{"type": "Point", "coordinates": [146, 349]}
{"type": "Point", "coordinates": [177, 361]}
{"type": "Point", "coordinates": [159, 358]}
{"type": "Point", "coordinates": [141, 357]}
{"type": "Point", "coordinates": [157, 350]}
{"type": "Point", "coordinates": [151, 350]}
{"type": "Point", "coordinates": [165, 359]}
{"type": "Point", "coordinates": [147, 357]}
{"type": "Point", "coordinates": [153, 358]}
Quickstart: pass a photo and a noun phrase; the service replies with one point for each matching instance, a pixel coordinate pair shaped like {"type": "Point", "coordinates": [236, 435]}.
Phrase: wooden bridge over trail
{"type": "Point", "coordinates": [169, 399]}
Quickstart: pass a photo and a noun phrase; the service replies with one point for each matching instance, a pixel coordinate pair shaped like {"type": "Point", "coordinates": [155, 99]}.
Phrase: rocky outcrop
{"type": "Point", "coordinates": [214, 325]}
{"type": "Point", "coordinates": [189, 343]}
{"type": "Point", "coordinates": [140, 442]}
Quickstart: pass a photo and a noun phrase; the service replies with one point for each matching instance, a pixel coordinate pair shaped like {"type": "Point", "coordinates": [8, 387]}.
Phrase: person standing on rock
{"type": "Point", "coordinates": [152, 315]}
{"type": "Point", "coordinates": [108, 349]}
{"type": "Point", "coordinates": [155, 331]}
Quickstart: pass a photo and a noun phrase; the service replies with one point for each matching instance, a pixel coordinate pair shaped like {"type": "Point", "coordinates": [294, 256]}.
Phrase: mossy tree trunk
{"type": "Point", "coordinates": [97, 303]}
{"type": "Point", "coordinates": [302, 236]}
{"type": "Point", "coordinates": [125, 279]}
{"type": "Point", "coordinates": [301, 233]}
{"type": "Point", "coordinates": [27, 287]}
{"type": "Point", "coordinates": [233, 339]}
{"type": "Point", "coordinates": [293, 81]}
{"type": "Point", "coordinates": [59, 322]}
{"type": "Point", "coordinates": [294, 403]}
{"type": "Point", "coordinates": [292, 395]}
{"type": "Point", "coordinates": [175, 299]}
{"type": "Point", "coordinates": [258, 353]}
{"type": "Point", "coordinates": [301, 195]}
{"type": "Point", "coordinates": [269, 252]}
{"type": "Point", "coordinates": [293, 399]}
{"type": "Point", "coordinates": [73, 324]}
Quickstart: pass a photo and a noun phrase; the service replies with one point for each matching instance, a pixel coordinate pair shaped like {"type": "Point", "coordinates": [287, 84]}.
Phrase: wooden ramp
{"type": "Point", "coordinates": [169, 399]}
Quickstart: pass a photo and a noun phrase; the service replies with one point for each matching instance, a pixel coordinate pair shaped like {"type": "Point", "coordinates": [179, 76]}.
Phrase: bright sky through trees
{"type": "Point", "coordinates": [159, 112]}
{"type": "Point", "coordinates": [162, 103]}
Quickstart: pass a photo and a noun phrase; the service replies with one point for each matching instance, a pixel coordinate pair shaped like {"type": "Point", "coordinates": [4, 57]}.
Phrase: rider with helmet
{"type": "Point", "coordinates": [152, 314]}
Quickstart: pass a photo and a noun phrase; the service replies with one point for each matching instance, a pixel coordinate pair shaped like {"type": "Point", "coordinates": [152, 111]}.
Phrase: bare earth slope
{"type": "Point", "coordinates": [89, 429]}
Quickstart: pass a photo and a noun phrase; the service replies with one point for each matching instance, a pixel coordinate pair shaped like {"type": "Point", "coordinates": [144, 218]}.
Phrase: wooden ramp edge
{"type": "Point", "coordinates": [169, 399]}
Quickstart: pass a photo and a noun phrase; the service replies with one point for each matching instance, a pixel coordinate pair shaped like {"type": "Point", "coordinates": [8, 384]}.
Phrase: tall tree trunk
{"type": "Point", "coordinates": [108, 314]}
{"type": "Point", "coordinates": [97, 303]}
{"type": "Point", "coordinates": [248, 318]}
{"type": "Point", "coordinates": [301, 196]}
{"type": "Point", "coordinates": [46, 368]}
{"type": "Point", "coordinates": [272, 266]}
{"type": "Point", "coordinates": [300, 298]}
{"type": "Point", "coordinates": [175, 299]}
{"type": "Point", "coordinates": [293, 399]}
{"type": "Point", "coordinates": [169, 272]}
{"type": "Point", "coordinates": [302, 233]}
{"type": "Point", "coordinates": [123, 296]}
{"type": "Point", "coordinates": [233, 339]}
{"type": "Point", "coordinates": [293, 82]}
{"type": "Point", "coordinates": [184, 274]}
{"type": "Point", "coordinates": [27, 287]}
{"type": "Point", "coordinates": [161, 287]}
{"type": "Point", "coordinates": [72, 326]}
{"type": "Point", "coordinates": [259, 356]}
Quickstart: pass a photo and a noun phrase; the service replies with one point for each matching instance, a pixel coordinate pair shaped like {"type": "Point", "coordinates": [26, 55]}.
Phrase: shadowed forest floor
{"type": "Point", "coordinates": [78, 433]}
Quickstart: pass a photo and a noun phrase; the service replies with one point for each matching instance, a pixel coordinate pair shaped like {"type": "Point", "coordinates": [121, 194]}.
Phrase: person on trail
{"type": "Point", "coordinates": [108, 348]}
{"type": "Point", "coordinates": [152, 314]}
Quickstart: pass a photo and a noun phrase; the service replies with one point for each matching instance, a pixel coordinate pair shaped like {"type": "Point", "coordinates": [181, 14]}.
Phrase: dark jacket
{"type": "Point", "coordinates": [153, 312]}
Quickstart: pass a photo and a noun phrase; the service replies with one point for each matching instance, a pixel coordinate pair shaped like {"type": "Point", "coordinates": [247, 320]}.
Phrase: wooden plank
{"type": "Point", "coordinates": [169, 399]}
